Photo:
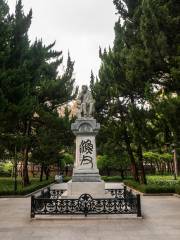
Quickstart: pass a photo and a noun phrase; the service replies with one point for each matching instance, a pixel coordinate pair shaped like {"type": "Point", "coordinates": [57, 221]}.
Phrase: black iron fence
{"type": "Point", "coordinates": [121, 201]}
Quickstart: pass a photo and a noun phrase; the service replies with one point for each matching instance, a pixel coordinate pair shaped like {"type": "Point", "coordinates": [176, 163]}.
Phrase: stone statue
{"type": "Point", "coordinates": [85, 103]}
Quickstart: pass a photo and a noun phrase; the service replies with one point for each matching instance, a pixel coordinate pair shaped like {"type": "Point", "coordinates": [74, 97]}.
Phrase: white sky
{"type": "Point", "coordinates": [80, 26]}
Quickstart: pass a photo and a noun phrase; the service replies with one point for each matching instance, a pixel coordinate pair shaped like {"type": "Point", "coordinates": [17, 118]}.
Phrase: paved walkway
{"type": "Point", "coordinates": [161, 221]}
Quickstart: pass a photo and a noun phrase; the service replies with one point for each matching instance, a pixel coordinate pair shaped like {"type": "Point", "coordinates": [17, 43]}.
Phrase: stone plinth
{"type": "Point", "coordinates": [96, 189]}
{"type": "Point", "coordinates": [85, 167]}
{"type": "Point", "coordinates": [85, 175]}
{"type": "Point", "coordinates": [86, 178]}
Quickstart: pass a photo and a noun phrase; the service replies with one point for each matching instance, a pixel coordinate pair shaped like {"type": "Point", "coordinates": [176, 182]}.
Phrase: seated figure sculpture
{"type": "Point", "coordinates": [85, 103]}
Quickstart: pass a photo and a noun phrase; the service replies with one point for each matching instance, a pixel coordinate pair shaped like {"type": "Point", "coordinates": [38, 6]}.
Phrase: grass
{"type": "Point", "coordinates": [66, 178]}
{"type": "Point", "coordinates": [157, 184]}
{"type": "Point", "coordinates": [157, 178]}
{"type": "Point", "coordinates": [111, 178]}
{"type": "Point", "coordinates": [7, 186]}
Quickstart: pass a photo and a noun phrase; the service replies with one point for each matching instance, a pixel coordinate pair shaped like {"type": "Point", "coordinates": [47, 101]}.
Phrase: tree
{"type": "Point", "coordinates": [50, 140]}
{"type": "Point", "coordinates": [159, 26]}
{"type": "Point", "coordinates": [15, 80]}
{"type": "Point", "coordinates": [142, 63]}
{"type": "Point", "coordinates": [5, 36]}
{"type": "Point", "coordinates": [30, 85]}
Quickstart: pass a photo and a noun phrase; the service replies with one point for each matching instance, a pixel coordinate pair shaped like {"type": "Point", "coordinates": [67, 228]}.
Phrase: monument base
{"type": "Point", "coordinates": [86, 175]}
{"type": "Point", "coordinates": [95, 189]}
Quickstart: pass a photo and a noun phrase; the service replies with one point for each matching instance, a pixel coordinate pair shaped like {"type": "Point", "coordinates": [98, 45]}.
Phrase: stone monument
{"type": "Point", "coordinates": [86, 178]}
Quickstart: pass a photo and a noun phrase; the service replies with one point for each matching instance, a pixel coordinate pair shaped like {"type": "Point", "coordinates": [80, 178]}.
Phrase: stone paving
{"type": "Point", "coordinates": [161, 221]}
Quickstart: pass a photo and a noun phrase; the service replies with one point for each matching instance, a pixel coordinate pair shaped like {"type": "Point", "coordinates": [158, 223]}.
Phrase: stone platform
{"type": "Point", "coordinates": [95, 189]}
{"type": "Point", "coordinates": [86, 175]}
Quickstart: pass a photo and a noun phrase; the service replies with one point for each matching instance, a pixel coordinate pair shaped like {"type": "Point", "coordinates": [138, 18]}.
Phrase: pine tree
{"type": "Point", "coordinates": [5, 38]}
{"type": "Point", "coordinates": [31, 85]}
{"type": "Point", "coordinates": [159, 29]}
{"type": "Point", "coordinates": [144, 56]}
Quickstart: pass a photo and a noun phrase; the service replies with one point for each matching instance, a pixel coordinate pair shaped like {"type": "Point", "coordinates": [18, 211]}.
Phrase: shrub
{"type": "Point", "coordinates": [6, 169]}
{"type": "Point", "coordinates": [153, 188]}
{"type": "Point", "coordinates": [7, 186]}
{"type": "Point", "coordinates": [5, 174]}
{"type": "Point", "coordinates": [177, 189]}
{"type": "Point", "coordinates": [112, 179]}
{"type": "Point", "coordinates": [66, 179]}
{"type": "Point", "coordinates": [68, 158]}
{"type": "Point", "coordinates": [161, 179]}
{"type": "Point", "coordinates": [135, 185]}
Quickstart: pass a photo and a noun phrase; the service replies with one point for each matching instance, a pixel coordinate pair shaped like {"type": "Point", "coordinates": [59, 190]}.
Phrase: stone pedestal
{"type": "Point", "coordinates": [85, 168]}
{"type": "Point", "coordinates": [96, 189]}
{"type": "Point", "coordinates": [86, 178]}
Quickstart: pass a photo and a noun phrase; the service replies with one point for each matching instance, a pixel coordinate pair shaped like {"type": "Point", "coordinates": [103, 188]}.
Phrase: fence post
{"type": "Point", "coordinates": [138, 205]}
{"type": "Point", "coordinates": [48, 192]}
{"type": "Point", "coordinates": [42, 193]}
{"type": "Point", "coordinates": [32, 206]}
{"type": "Point", "coordinates": [125, 191]}
{"type": "Point", "coordinates": [125, 199]}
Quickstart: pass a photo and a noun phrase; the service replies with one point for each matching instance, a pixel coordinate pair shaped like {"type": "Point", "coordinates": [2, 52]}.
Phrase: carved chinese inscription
{"type": "Point", "coordinates": [86, 151]}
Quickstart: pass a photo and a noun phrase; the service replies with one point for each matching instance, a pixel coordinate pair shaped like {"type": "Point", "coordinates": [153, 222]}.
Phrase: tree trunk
{"type": "Point", "coordinates": [140, 157]}
{"type": "Point", "coordinates": [151, 170]}
{"type": "Point", "coordinates": [157, 165]}
{"type": "Point", "coordinates": [21, 169]}
{"type": "Point", "coordinates": [42, 170]}
{"type": "Point", "coordinates": [134, 168]}
{"type": "Point", "coordinates": [46, 171]}
{"type": "Point", "coordinates": [122, 174]}
{"type": "Point", "coordinates": [27, 132]}
{"type": "Point", "coordinates": [25, 168]}
{"type": "Point", "coordinates": [33, 173]}
{"type": "Point", "coordinates": [47, 175]}
{"type": "Point", "coordinates": [108, 171]}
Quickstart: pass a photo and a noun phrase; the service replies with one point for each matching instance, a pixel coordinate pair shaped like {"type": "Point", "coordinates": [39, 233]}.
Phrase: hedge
{"type": "Point", "coordinates": [7, 186]}
{"type": "Point", "coordinates": [112, 179]}
{"type": "Point", "coordinates": [165, 187]}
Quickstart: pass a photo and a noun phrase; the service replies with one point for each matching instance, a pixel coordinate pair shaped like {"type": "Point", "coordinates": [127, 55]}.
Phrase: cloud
{"type": "Point", "coordinates": [80, 26]}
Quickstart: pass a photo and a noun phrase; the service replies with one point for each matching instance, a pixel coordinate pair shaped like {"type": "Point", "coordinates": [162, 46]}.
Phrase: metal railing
{"type": "Point", "coordinates": [121, 201]}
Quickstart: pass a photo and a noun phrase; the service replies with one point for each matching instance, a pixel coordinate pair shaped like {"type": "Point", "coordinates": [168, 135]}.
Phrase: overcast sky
{"type": "Point", "coordinates": [80, 26]}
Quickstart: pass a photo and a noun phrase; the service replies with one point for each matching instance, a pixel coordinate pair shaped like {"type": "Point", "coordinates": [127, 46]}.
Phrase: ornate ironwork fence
{"type": "Point", "coordinates": [121, 202]}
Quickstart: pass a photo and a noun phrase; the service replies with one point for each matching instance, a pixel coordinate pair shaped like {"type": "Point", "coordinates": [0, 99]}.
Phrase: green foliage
{"type": "Point", "coordinates": [137, 93]}
{"type": "Point", "coordinates": [151, 156]}
{"type": "Point", "coordinates": [177, 189]}
{"type": "Point", "coordinates": [103, 162]}
{"type": "Point", "coordinates": [31, 91]}
{"type": "Point", "coordinates": [153, 188]}
{"type": "Point", "coordinates": [162, 179]}
{"type": "Point", "coordinates": [111, 163]}
{"type": "Point", "coordinates": [66, 179]}
{"type": "Point", "coordinates": [68, 158]}
{"type": "Point", "coordinates": [7, 186]}
{"type": "Point", "coordinates": [170, 108]}
{"type": "Point", "coordinates": [6, 169]}
{"type": "Point", "coordinates": [154, 156]}
{"type": "Point", "coordinates": [135, 185]}
{"type": "Point", "coordinates": [156, 184]}
{"type": "Point", "coordinates": [112, 178]}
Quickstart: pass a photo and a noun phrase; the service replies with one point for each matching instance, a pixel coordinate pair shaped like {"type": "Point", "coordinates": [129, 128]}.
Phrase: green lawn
{"type": "Point", "coordinates": [7, 186]}
{"type": "Point", "coordinates": [151, 178]}
{"type": "Point", "coordinates": [157, 184]}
